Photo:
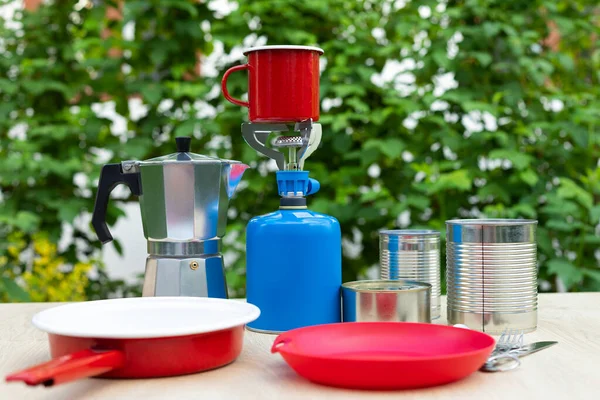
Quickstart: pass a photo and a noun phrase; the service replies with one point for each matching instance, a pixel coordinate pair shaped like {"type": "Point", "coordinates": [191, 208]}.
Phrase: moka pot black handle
{"type": "Point", "coordinates": [111, 176]}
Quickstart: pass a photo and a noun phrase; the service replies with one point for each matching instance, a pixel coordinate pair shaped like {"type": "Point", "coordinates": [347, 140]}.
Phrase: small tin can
{"type": "Point", "coordinates": [386, 301]}
{"type": "Point", "coordinates": [409, 254]}
{"type": "Point", "coordinates": [491, 274]}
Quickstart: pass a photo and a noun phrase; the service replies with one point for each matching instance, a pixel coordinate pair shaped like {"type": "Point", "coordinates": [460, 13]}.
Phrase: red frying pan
{"type": "Point", "coordinates": [383, 355]}
{"type": "Point", "coordinates": [139, 337]}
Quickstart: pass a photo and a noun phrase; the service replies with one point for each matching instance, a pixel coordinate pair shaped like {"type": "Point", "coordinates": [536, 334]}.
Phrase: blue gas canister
{"type": "Point", "coordinates": [294, 261]}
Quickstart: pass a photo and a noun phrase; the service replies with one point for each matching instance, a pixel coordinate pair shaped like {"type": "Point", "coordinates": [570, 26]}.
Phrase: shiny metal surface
{"type": "Point", "coordinates": [491, 274]}
{"type": "Point", "coordinates": [503, 360]}
{"type": "Point", "coordinates": [186, 199]}
{"type": "Point", "coordinates": [299, 147]}
{"type": "Point", "coordinates": [181, 249]}
{"type": "Point", "coordinates": [199, 276]}
{"type": "Point", "coordinates": [412, 255]}
{"type": "Point", "coordinates": [386, 300]}
{"type": "Point", "coordinates": [183, 202]}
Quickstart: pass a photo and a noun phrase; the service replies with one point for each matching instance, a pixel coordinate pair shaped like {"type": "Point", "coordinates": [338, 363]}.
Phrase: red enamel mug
{"type": "Point", "coordinates": [283, 83]}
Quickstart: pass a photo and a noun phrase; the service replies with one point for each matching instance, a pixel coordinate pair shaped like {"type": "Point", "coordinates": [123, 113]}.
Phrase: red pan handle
{"type": "Point", "coordinates": [81, 364]}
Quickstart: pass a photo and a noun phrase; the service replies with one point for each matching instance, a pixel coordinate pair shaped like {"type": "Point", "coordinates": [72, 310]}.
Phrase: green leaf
{"type": "Point", "coordinates": [342, 143]}
{"type": "Point", "coordinates": [566, 61]}
{"type": "Point", "coordinates": [568, 189]}
{"type": "Point", "coordinates": [152, 93]}
{"type": "Point", "coordinates": [544, 241]}
{"type": "Point", "coordinates": [560, 225]}
{"type": "Point", "coordinates": [519, 159]}
{"type": "Point", "coordinates": [580, 136]}
{"type": "Point", "coordinates": [560, 207]}
{"type": "Point", "coordinates": [185, 6]}
{"type": "Point", "coordinates": [441, 58]}
{"type": "Point", "coordinates": [491, 29]}
{"type": "Point", "coordinates": [8, 87]}
{"type": "Point", "coordinates": [27, 221]}
{"type": "Point", "coordinates": [524, 209]}
{"type": "Point", "coordinates": [591, 273]}
{"type": "Point", "coordinates": [418, 201]}
{"type": "Point", "coordinates": [595, 214]}
{"type": "Point", "coordinates": [566, 271]}
{"type": "Point", "coordinates": [68, 213]}
{"type": "Point", "coordinates": [392, 148]}
{"type": "Point", "coordinates": [498, 192]}
{"type": "Point", "coordinates": [529, 177]}
{"type": "Point", "coordinates": [14, 291]}
{"type": "Point", "coordinates": [459, 180]}
{"type": "Point", "coordinates": [368, 156]}
{"type": "Point", "coordinates": [118, 247]}
{"type": "Point", "coordinates": [186, 128]}
{"type": "Point", "coordinates": [592, 239]}
{"type": "Point", "coordinates": [344, 90]}
{"type": "Point", "coordinates": [479, 106]}
{"type": "Point", "coordinates": [358, 105]}
{"type": "Point", "coordinates": [484, 59]}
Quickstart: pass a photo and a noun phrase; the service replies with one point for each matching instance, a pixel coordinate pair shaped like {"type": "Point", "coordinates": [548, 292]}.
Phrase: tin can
{"type": "Point", "coordinates": [491, 274]}
{"type": "Point", "coordinates": [386, 301]}
{"type": "Point", "coordinates": [409, 254]}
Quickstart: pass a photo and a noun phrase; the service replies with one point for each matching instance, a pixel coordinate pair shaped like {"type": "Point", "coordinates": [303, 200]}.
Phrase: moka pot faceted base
{"type": "Point", "coordinates": [195, 276]}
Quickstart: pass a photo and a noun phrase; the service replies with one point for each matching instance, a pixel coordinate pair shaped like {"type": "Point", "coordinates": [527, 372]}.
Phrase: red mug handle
{"type": "Point", "coordinates": [224, 85]}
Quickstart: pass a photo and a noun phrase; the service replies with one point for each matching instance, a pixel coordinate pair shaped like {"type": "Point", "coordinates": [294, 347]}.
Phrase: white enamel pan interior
{"type": "Point", "coordinates": [145, 317]}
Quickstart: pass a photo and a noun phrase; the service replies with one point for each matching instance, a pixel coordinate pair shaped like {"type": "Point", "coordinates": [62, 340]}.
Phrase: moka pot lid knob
{"type": "Point", "coordinates": [183, 144]}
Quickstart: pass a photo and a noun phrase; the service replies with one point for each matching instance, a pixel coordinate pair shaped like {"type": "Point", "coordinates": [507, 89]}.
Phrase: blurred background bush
{"type": "Point", "coordinates": [431, 110]}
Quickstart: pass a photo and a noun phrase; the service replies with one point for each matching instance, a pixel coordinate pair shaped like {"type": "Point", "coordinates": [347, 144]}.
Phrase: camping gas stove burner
{"type": "Point", "coordinates": [292, 143]}
{"type": "Point", "coordinates": [288, 141]}
{"type": "Point", "coordinates": [299, 146]}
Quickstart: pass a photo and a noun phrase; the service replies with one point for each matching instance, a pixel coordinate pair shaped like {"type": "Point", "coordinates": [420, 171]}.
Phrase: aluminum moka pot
{"type": "Point", "coordinates": [183, 200]}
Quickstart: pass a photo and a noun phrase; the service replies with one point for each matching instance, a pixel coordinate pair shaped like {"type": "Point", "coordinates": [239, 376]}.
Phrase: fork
{"type": "Point", "coordinates": [510, 339]}
{"type": "Point", "coordinates": [506, 350]}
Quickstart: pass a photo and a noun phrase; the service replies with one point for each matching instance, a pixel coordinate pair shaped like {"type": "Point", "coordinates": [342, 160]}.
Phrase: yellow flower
{"type": "Point", "coordinates": [51, 279]}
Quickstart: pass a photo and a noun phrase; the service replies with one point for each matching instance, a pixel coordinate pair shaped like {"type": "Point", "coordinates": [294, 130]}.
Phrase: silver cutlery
{"type": "Point", "coordinates": [510, 358]}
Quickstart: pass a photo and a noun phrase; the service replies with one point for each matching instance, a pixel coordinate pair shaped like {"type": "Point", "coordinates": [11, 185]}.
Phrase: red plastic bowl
{"type": "Point", "coordinates": [383, 355]}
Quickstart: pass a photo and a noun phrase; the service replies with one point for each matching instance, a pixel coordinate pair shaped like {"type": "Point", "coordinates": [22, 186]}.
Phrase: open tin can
{"type": "Point", "coordinates": [386, 301]}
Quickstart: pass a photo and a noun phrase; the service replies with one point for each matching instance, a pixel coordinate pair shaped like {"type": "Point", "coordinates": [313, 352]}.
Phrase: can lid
{"type": "Point", "coordinates": [491, 231]}
{"type": "Point", "coordinates": [409, 232]}
{"type": "Point", "coordinates": [386, 286]}
{"type": "Point", "coordinates": [491, 222]}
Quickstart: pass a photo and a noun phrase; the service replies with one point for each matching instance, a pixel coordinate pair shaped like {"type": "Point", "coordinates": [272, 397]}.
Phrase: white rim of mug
{"type": "Point", "coordinates": [283, 47]}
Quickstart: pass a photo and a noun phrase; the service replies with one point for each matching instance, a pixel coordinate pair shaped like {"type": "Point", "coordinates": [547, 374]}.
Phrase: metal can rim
{"type": "Point", "coordinates": [410, 232]}
{"type": "Point", "coordinates": [491, 222]}
{"type": "Point", "coordinates": [374, 286]}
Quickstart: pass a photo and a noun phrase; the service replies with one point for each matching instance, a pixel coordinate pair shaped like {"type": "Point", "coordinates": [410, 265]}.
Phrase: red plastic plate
{"type": "Point", "coordinates": [383, 355]}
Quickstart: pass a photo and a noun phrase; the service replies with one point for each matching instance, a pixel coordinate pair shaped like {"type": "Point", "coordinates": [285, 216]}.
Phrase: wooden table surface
{"type": "Point", "coordinates": [569, 370]}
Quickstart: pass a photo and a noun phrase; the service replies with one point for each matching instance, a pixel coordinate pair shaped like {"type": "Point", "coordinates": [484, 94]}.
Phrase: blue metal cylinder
{"type": "Point", "coordinates": [293, 269]}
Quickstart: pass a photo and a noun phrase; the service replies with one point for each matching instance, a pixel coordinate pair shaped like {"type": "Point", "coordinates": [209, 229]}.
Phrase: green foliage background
{"type": "Point", "coordinates": [390, 147]}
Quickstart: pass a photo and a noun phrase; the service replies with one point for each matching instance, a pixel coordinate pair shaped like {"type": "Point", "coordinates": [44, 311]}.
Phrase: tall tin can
{"type": "Point", "coordinates": [491, 274]}
{"type": "Point", "coordinates": [413, 255]}
{"type": "Point", "coordinates": [293, 269]}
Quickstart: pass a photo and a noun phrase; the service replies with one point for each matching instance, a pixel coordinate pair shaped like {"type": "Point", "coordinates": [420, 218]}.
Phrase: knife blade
{"type": "Point", "coordinates": [507, 360]}
{"type": "Point", "coordinates": [531, 348]}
